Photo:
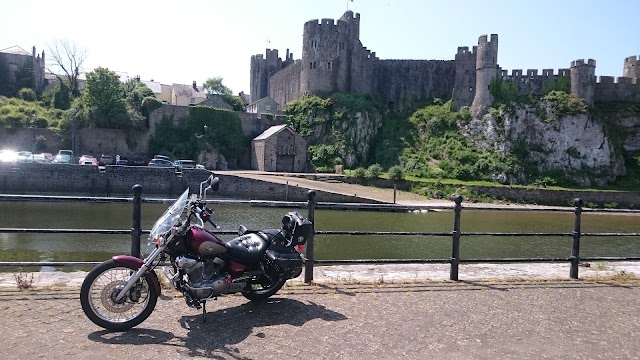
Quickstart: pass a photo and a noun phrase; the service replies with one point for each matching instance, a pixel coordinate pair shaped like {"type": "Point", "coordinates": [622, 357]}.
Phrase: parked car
{"type": "Point", "coordinates": [161, 163]}
{"type": "Point", "coordinates": [88, 160]}
{"type": "Point", "coordinates": [62, 159]}
{"type": "Point", "coordinates": [66, 152]}
{"type": "Point", "coordinates": [105, 159]}
{"type": "Point", "coordinates": [161, 157]}
{"type": "Point", "coordinates": [185, 164]}
{"type": "Point", "coordinates": [42, 158]}
{"type": "Point", "coordinates": [200, 166]}
{"type": "Point", "coordinates": [24, 157]}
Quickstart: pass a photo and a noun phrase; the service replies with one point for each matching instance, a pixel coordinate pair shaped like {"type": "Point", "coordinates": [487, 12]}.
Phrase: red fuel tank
{"type": "Point", "coordinates": [204, 243]}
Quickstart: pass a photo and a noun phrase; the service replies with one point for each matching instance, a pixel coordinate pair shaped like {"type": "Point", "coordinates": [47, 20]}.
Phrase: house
{"type": "Point", "coordinates": [19, 68]}
{"type": "Point", "coordinates": [245, 98]}
{"type": "Point", "coordinates": [185, 95]}
{"type": "Point", "coordinates": [266, 105]}
{"type": "Point", "coordinates": [280, 149]}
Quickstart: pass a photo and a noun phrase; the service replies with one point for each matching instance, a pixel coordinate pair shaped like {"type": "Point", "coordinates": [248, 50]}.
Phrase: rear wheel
{"type": "Point", "coordinates": [265, 288]}
{"type": "Point", "coordinates": [100, 289]}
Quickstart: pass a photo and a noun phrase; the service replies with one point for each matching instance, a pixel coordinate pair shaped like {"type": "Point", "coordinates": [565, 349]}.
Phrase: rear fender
{"type": "Point", "coordinates": [137, 263]}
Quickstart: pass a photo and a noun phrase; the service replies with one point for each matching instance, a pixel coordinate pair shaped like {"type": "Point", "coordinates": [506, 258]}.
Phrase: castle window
{"type": "Point", "coordinates": [329, 65]}
{"type": "Point", "coordinates": [470, 89]}
{"type": "Point", "coordinates": [310, 65]}
{"type": "Point", "coordinates": [341, 46]}
{"type": "Point", "coordinates": [466, 72]}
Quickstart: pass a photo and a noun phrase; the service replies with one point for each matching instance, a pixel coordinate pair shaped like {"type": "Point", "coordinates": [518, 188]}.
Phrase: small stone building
{"type": "Point", "coordinates": [279, 149]}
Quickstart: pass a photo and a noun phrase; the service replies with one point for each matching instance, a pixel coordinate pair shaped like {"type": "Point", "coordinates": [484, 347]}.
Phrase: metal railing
{"type": "Point", "coordinates": [136, 232]}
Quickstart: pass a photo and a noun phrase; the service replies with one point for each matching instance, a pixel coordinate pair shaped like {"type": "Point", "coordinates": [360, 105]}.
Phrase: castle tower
{"type": "Point", "coordinates": [261, 70]}
{"type": "Point", "coordinates": [486, 70]}
{"type": "Point", "coordinates": [465, 80]}
{"type": "Point", "coordinates": [631, 67]}
{"type": "Point", "coordinates": [327, 47]}
{"type": "Point", "coordinates": [583, 79]}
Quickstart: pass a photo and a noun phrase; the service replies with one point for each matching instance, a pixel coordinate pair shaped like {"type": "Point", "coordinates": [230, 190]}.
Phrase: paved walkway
{"type": "Point", "coordinates": [437, 320]}
{"type": "Point", "coordinates": [524, 311]}
{"type": "Point", "coordinates": [369, 192]}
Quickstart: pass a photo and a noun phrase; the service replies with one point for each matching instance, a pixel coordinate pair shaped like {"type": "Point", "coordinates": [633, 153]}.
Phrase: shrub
{"type": "Point", "coordinates": [27, 94]}
{"type": "Point", "coordinates": [374, 171]}
{"type": "Point", "coordinates": [396, 173]}
{"type": "Point", "coordinates": [360, 173]}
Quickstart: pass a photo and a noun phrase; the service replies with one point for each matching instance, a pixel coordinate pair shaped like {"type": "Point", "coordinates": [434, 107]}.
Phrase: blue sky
{"type": "Point", "coordinates": [182, 41]}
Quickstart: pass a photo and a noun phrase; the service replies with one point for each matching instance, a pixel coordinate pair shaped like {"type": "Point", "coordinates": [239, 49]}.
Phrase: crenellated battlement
{"type": "Point", "coordinates": [632, 59]}
{"type": "Point", "coordinates": [533, 73]}
{"type": "Point", "coordinates": [581, 62]}
{"type": "Point", "coordinates": [619, 80]}
{"type": "Point", "coordinates": [483, 39]}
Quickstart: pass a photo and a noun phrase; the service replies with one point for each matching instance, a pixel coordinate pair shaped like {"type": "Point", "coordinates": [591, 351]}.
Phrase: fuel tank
{"type": "Point", "coordinates": [204, 243]}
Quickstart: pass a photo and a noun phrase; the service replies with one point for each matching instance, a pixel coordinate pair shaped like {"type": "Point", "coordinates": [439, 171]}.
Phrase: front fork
{"type": "Point", "coordinates": [144, 267]}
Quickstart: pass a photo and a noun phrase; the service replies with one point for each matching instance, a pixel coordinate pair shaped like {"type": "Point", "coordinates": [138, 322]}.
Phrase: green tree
{"type": "Point", "coordinates": [104, 100]}
{"type": "Point", "coordinates": [135, 91]}
{"type": "Point", "coordinates": [62, 97]}
{"type": "Point", "coordinates": [214, 85]}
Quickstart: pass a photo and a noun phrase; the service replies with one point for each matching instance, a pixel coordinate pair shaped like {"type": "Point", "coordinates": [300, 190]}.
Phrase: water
{"type": "Point", "coordinates": [118, 216]}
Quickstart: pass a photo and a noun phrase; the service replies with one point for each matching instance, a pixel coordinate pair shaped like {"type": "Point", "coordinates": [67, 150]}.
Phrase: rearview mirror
{"type": "Point", "coordinates": [214, 183]}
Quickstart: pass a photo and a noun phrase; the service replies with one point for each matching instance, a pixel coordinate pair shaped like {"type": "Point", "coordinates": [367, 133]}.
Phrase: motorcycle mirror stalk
{"type": "Point", "coordinates": [213, 183]}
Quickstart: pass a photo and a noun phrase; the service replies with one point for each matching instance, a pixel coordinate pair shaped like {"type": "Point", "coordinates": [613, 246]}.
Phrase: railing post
{"type": "Point", "coordinates": [308, 267]}
{"type": "Point", "coordinates": [455, 245]}
{"type": "Point", "coordinates": [136, 230]}
{"type": "Point", "coordinates": [575, 249]}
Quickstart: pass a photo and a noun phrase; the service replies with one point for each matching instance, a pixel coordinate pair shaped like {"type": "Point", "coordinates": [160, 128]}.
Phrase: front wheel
{"type": "Point", "coordinates": [262, 290]}
{"type": "Point", "coordinates": [99, 291]}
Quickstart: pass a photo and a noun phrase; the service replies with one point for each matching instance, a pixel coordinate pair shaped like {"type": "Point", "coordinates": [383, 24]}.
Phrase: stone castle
{"type": "Point", "coordinates": [334, 60]}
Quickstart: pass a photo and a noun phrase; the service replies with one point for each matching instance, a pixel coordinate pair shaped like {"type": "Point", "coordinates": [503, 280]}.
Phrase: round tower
{"type": "Point", "coordinates": [631, 67]}
{"type": "Point", "coordinates": [326, 47]}
{"type": "Point", "coordinates": [583, 79]}
{"type": "Point", "coordinates": [486, 70]}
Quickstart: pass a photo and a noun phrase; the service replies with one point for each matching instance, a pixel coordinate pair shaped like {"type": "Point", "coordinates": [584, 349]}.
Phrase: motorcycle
{"type": "Point", "coordinates": [121, 293]}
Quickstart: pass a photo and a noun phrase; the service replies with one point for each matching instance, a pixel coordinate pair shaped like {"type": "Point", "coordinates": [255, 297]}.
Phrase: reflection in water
{"type": "Point", "coordinates": [118, 216]}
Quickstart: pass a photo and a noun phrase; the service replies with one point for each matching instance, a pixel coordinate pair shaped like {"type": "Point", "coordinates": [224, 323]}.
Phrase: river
{"type": "Point", "coordinates": [118, 216]}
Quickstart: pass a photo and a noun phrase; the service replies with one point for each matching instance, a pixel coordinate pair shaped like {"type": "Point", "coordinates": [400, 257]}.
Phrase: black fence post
{"type": "Point", "coordinates": [308, 267]}
{"type": "Point", "coordinates": [136, 230]}
{"type": "Point", "coordinates": [455, 245]}
{"type": "Point", "coordinates": [575, 250]}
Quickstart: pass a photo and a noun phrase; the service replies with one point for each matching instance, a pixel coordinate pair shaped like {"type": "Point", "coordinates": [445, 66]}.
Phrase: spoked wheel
{"type": "Point", "coordinates": [100, 289]}
{"type": "Point", "coordinates": [264, 289]}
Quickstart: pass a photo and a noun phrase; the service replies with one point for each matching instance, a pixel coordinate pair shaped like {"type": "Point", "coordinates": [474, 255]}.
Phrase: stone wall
{"type": "Point", "coordinates": [623, 199]}
{"type": "Point", "coordinates": [118, 181]}
{"type": "Point", "coordinates": [400, 80]}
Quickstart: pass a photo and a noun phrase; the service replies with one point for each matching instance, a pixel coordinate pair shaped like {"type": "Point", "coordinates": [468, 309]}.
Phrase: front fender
{"type": "Point", "coordinates": [137, 263]}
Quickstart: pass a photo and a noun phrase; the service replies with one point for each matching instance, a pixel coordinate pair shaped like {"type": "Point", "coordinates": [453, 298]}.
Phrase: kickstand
{"type": "Point", "coordinates": [204, 312]}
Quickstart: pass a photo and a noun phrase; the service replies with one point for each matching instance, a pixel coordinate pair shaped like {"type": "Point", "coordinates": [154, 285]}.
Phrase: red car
{"type": "Point", "coordinates": [88, 160]}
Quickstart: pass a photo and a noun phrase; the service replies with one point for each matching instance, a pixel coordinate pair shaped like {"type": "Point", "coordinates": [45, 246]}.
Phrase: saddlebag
{"type": "Point", "coordinates": [288, 263]}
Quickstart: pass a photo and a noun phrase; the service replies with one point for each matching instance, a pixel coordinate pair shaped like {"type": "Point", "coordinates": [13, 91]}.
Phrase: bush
{"type": "Point", "coordinates": [374, 171]}
{"type": "Point", "coordinates": [360, 173]}
{"type": "Point", "coordinates": [149, 104]}
{"type": "Point", "coordinates": [27, 94]}
{"type": "Point", "coordinates": [396, 173]}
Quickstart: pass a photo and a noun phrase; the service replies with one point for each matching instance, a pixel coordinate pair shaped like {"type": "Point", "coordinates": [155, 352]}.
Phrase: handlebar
{"type": "Point", "coordinates": [204, 214]}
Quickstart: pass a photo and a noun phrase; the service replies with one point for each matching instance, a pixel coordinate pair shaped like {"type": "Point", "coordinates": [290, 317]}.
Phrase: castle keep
{"type": "Point", "coordinates": [334, 60]}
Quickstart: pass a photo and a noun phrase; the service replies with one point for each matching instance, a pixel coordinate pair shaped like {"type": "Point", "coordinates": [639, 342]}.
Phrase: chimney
{"type": "Point", "coordinates": [195, 87]}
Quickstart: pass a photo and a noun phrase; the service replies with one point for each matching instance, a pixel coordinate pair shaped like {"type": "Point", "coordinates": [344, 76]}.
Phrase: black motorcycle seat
{"type": "Point", "coordinates": [247, 249]}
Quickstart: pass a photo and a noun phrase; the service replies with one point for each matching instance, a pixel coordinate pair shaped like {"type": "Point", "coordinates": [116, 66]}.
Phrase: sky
{"type": "Point", "coordinates": [186, 41]}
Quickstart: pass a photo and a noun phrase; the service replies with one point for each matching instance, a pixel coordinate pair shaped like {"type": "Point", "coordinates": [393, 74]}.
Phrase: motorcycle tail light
{"type": "Point", "coordinates": [300, 248]}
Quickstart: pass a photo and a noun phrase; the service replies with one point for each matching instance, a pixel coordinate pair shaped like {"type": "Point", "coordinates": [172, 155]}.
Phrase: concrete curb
{"type": "Point", "coordinates": [387, 274]}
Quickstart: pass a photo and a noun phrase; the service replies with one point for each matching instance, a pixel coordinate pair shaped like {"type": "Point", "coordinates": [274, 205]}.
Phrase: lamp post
{"type": "Point", "coordinates": [73, 132]}
{"type": "Point", "coordinates": [33, 133]}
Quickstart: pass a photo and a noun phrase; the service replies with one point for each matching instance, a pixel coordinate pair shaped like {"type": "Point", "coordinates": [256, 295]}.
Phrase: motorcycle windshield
{"type": "Point", "coordinates": [170, 217]}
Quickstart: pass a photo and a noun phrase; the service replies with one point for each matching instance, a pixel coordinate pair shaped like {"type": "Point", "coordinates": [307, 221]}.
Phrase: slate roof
{"type": "Point", "coordinates": [271, 131]}
{"type": "Point", "coordinates": [187, 90]}
{"type": "Point", "coordinates": [16, 50]}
